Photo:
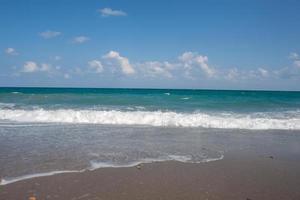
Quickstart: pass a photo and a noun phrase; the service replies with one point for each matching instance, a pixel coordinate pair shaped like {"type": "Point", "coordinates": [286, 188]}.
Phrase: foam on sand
{"type": "Point", "coordinates": [30, 176]}
{"type": "Point", "coordinates": [96, 165]}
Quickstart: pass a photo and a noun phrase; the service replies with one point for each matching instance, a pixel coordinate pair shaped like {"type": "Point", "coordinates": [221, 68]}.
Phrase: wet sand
{"type": "Point", "coordinates": [237, 176]}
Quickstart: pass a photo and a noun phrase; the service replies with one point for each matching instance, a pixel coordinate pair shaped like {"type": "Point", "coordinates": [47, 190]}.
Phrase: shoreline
{"type": "Point", "coordinates": [10, 180]}
{"type": "Point", "coordinates": [237, 176]}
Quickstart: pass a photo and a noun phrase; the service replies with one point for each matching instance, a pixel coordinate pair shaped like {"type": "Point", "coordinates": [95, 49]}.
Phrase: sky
{"type": "Point", "coordinates": [197, 44]}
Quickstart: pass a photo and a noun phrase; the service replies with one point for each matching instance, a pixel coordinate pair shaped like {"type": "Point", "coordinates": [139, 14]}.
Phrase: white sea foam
{"type": "Point", "coordinates": [30, 176]}
{"type": "Point", "coordinates": [13, 125]}
{"type": "Point", "coordinates": [213, 159]}
{"type": "Point", "coordinates": [6, 105]}
{"type": "Point", "coordinates": [155, 118]}
{"type": "Point", "coordinates": [96, 165]}
{"type": "Point", "coordinates": [185, 98]}
{"type": "Point", "coordinates": [180, 158]}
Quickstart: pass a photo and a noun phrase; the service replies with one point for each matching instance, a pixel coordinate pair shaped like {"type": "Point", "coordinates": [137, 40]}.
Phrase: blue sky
{"type": "Point", "coordinates": [245, 44]}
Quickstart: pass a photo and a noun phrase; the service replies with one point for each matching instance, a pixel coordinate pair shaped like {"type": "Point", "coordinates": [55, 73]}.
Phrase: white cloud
{"type": "Point", "coordinates": [187, 58]}
{"type": "Point", "coordinates": [297, 63]}
{"type": "Point", "coordinates": [80, 39]}
{"type": "Point", "coordinates": [11, 51]}
{"type": "Point", "coordinates": [287, 73]}
{"type": "Point", "coordinates": [232, 74]}
{"type": "Point", "coordinates": [123, 62]}
{"type": "Point", "coordinates": [67, 76]}
{"type": "Point", "coordinates": [155, 68]}
{"type": "Point", "coordinates": [45, 67]}
{"type": "Point", "coordinates": [235, 74]}
{"type": "Point", "coordinates": [263, 72]}
{"type": "Point", "coordinates": [192, 59]}
{"type": "Point", "coordinates": [105, 12]}
{"type": "Point", "coordinates": [96, 65]}
{"type": "Point", "coordinates": [296, 59]}
{"type": "Point", "coordinates": [30, 67]}
{"type": "Point", "coordinates": [189, 65]}
{"type": "Point", "coordinates": [57, 58]}
{"type": "Point", "coordinates": [294, 56]}
{"type": "Point", "coordinates": [49, 34]}
{"type": "Point", "coordinates": [189, 61]}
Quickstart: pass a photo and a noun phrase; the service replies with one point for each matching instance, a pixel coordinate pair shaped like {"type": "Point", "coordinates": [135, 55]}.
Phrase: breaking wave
{"type": "Point", "coordinates": [6, 105]}
{"type": "Point", "coordinates": [156, 118]}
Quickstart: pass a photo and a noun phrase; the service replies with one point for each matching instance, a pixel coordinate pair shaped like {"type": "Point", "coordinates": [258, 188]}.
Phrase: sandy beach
{"type": "Point", "coordinates": [248, 176]}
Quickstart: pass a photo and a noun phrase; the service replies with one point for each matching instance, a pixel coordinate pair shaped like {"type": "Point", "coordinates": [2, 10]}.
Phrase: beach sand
{"type": "Point", "coordinates": [248, 176]}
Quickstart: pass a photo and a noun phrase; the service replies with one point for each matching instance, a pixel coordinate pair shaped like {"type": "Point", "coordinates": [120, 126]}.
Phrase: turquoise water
{"type": "Point", "coordinates": [157, 107]}
{"type": "Point", "coordinates": [152, 99]}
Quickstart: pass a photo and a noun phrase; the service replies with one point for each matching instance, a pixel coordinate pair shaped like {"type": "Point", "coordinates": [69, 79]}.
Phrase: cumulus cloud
{"type": "Point", "coordinates": [106, 12]}
{"type": "Point", "coordinates": [235, 74]}
{"type": "Point", "coordinates": [290, 72]}
{"type": "Point", "coordinates": [49, 34]}
{"type": "Point", "coordinates": [156, 69]}
{"type": "Point", "coordinates": [57, 58]}
{"type": "Point", "coordinates": [192, 59]}
{"type": "Point", "coordinates": [67, 76]}
{"type": "Point", "coordinates": [294, 56]}
{"type": "Point", "coordinates": [297, 63]}
{"type": "Point", "coordinates": [232, 74]}
{"type": "Point", "coordinates": [31, 67]}
{"type": "Point", "coordinates": [263, 72]}
{"type": "Point", "coordinates": [287, 73]}
{"type": "Point", "coordinates": [296, 59]}
{"type": "Point", "coordinates": [191, 65]}
{"type": "Point", "coordinates": [11, 51]}
{"type": "Point", "coordinates": [96, 65]}
{"type": "Point", "coordinates": [80, 39]}
{"type": "Point", "coordinates": [45, 67]}
{"type": "Point", "coordinates": [122, 62]}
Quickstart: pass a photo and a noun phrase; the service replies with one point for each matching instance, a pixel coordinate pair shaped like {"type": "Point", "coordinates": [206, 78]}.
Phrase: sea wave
{"type": "Point", "coordinates": [155, 118]}
{"type": "Point", "coordinates": [6, 105]}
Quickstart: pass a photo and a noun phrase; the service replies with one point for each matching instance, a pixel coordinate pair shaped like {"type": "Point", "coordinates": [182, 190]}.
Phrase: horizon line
{"type": "Point", "coordinates": [141, 88]}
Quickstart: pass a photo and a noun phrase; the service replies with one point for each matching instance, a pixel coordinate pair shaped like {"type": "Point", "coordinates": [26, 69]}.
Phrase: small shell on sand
{"type": "Point", "coordinates": [139, 166]}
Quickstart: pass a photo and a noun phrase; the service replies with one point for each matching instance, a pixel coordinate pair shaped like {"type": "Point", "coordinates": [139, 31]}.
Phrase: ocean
{"type": "Point", "coordinates": [44, 131]}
